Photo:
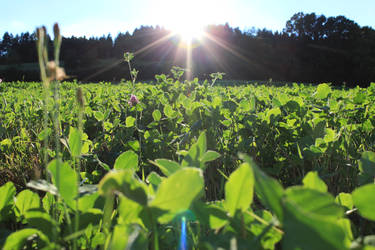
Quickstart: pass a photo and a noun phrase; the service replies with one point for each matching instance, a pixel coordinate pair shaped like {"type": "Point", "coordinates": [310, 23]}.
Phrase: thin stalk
{"type": "Point", "coordinates": [264, 222]}
{"type": "Point", "coordinates": [156, 236]}
{"type": "Point", "coordinates": [76, 160]}
{"type": "Point", "coordinates": [107, 214]}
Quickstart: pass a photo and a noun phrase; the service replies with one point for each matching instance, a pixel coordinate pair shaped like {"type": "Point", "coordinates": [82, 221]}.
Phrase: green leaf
{"type": "Point", "coordinates": [156, 115]}
{"type": "Point", "coordinates": [127, 160]}
{"type": "Point", "coordinates": [210, 214]}
{"type": "Point", "coordinates": [26, 200]}
{"type": "Point", "coordinates": [7, 191]}
{"type": "Point", "coordinates": [91, 216]}
{"type": "Point", "coordinates": [367, 163]}
{"type": "Point", "coordinates": [134, 145]}
{"type": "Point", "coordinates": [209, 156]}
{"type": "Point", "coordinates": [6, 142]}
{"type": "Point", "coordinates": [272, 114]}
{"type": "Point", "coordinates": [125, 182]}
{"type": "Point", "coordinates": [178, 191]}
{"type": "Point", "coordinates": [75, 142]}
{"type": "Point", "coordinates": [42, 221]}
{"type": "Point", "coordinates": [44, 134]}
{"type": "Point", "coordinates": [130, 121]}
{"type": "Point", "coordinates": [322, 91]}
{"type": "Point", "coordinates": [129, 211]}
{"type": "Point", "coordinates": [345, 200]}
{"type": "Point", "coordinates": [48, 201]}
{"type": "Point", "coordinates": [313, 181]}
{"type": "Point", "coordinates": [128, 237]}
{"type": "Point", "coordinates": [330, 135]}
{"type": "Point", "coordinates": [268, 190]}
{"type": "Point", "coordinates": [313, 201]}
{"type": "Point", "coordinates": [364, 200]}
{"type": "Point", "coordinates": [99, 115]}
{"type": "Point", "coordinates": [239, 189]}
{"type": "Point", "coordinates": [65, 180]}
{"type": "Point", "coordinates": [87, 201]}
{"type": "Point", "coordinates": [310, 231]}
{"type": "Point", "coordinates": [97, 240]}
{"type": "Point", "coordinates": [196, 151]}
{"type": "Point", "coordinates": [166, 166]}
{"type": "Point", "coordinates": [154, 179]}
{"type": "Point", "coordinates": [18, 239]}
{"type": "Point", "coordinates": [347, 227]}
{"type": "Point", "coordinates": [169, 112]}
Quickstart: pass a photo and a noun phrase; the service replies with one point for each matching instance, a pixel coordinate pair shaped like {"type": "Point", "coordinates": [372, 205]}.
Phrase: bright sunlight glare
{"type": "Point", "coordinates": [188, 18]}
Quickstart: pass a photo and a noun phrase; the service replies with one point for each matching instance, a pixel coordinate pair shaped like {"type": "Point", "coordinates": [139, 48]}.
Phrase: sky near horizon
{"type": "Point", "coordinates": [102, 17]}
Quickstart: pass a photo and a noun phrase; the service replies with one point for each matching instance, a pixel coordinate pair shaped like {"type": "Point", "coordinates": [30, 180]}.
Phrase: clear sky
{"type": "Point", "coordinates": [98, 17]}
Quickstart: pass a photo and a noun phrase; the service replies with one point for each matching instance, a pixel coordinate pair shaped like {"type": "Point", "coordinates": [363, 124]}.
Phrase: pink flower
{"type": "Point", "coordinates": [133, 100]}
{"type": "Point", "coordinates": [1, 80]}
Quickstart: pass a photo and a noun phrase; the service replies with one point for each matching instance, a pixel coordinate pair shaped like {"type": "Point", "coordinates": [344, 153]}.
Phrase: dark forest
{"type": "Point", "coordinates": [311, 48]}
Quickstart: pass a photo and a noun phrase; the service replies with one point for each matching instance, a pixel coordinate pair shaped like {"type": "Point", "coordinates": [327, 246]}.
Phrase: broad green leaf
{"type": "Point", "coordinates": [125, 182]}
{"type": "Point", "coordinates": [6, 142]}
{"type": "Point", "coordinates": [166, 166]}
{"type": "Point", "coordinates": [48, 201]}
{"type": "Point", "coordinates": [313, 181]}
{"type": "Point", "coordinates": [322, 91]}
{"type": "Point", "coordinates": [97, 240]}
{"type": "Point", "coordinates": [346, 226]}
{"type": "Point", "coordinates": [91, 216]}
{"type": "Point", "coordinates": [323, 203]}
{"type": "Point", "coordinates": [75, 142]}
{"type": "Point", "coordinates": [42, 221]}
{"type": "Point", "coordinates": [7, 191]}
{"type": "Point", "coordinates": [99, 115]}
{"type": "Point", "coordinates": [129, 211]}
{"type": "Point", "coordinates": [154, 178]}
{"type": "Point", "coordinates": [330, 135]}
{"type": "Point", "coordinates": [210, 214]}
{"type": "Point", "coordinates": [169, 112]}
{"type": "Point", "coordinates": [127, 160]}
{"type": "Point", "coordinates": [178, 191]}
{"type": "Point", "coordinates": [345, 200]}
{"type": "Point", "coordinates": [364, 200]}
{"type": "Point", "coordinates": [209, 156]}
{"type": "Point", "coordinates": [367, 163]}
{"type": "Point", "coordinates": [130, 121]}
{"type": "Point", "coordinates": [156, 115]}
{"type": "Point", "coordinates": [18, 239]}
{"type": "Point", "coordinates": [26, 200]}
{"type": "Point", "coordinates": [44, 134]}
{"type": "Point", "coordinates": [268, 190]}
{"type": "Point", "coordinates": [134, 145]}
{"type": "Point", "coordinates": [196, 151]}
{"type": "Point", "coordinates": [311, 231]}
{"type": "Point", "coordinates": [239, 189]}
{"type": "Point", "coordinates": [202, 143]}
{"type": "Point", "coordinates": [128, 237]}
{"type": "Point", "coordinates": [65, 179]}
{"type": "Point", "coordinates": [87, 201]}
{"type": "Point", "coordinates": [272, 113]}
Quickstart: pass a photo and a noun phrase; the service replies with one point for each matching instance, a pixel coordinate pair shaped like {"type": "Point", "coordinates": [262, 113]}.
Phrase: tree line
{"type": "Point", "coordinates": [311, 48]}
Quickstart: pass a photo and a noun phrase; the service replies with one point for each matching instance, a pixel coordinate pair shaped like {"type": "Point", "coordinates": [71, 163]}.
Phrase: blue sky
{"type": "Point", "coordinates": [98, 17]}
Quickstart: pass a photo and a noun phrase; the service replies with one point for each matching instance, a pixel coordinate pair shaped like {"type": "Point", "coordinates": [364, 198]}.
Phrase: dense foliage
{"type": "Point", "coordinates": [311, 48]}
{"type": "Point", "coordinates": [158, 166]}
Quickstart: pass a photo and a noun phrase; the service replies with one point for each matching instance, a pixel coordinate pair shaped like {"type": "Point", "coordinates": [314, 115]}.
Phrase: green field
{"type": "Point", "coordinates": [253, 166]}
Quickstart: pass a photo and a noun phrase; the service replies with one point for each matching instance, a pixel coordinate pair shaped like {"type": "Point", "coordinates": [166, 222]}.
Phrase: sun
{"type": "Point", "coordinates": [188, 18]}
{"type": "Point", "coordinates": [188, 32]}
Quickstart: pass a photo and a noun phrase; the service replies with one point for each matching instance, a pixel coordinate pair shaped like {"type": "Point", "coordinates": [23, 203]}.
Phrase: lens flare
{"type": "Point", "coordinates": [183, 242]}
